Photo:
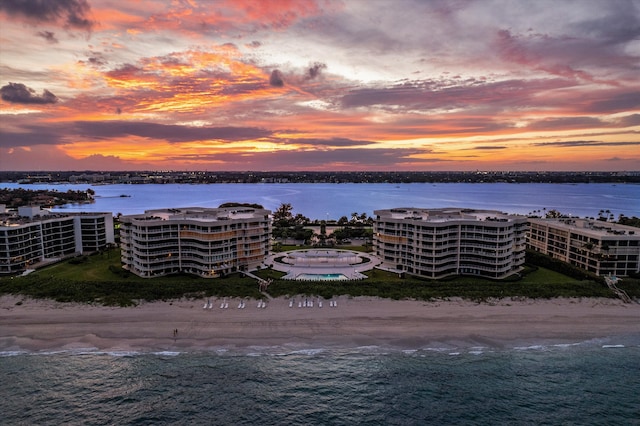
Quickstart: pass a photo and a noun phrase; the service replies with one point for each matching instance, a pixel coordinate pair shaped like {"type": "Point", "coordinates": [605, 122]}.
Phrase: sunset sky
{"type": "Point", "coordinates": [319, 85]}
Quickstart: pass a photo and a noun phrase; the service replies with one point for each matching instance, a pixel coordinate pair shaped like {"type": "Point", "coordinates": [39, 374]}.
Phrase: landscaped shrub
{"type": "Point", "coordinates": [78, 260]}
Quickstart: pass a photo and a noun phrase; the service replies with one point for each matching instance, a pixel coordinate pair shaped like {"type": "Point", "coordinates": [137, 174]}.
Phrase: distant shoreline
{"type": "Point", "coordinates": [41, 325]}
{"type": "Point", "coordinates": [391, 177]}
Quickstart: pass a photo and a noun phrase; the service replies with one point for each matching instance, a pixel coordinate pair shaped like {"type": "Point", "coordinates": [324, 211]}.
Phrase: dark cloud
{"type": "Point", "coordinates": [71, 13]}
{"type": "Point", "coordinates": [9, 73]}
{"type": "Point", "coordinates": [169, 60]}
{"type": "Point", "coordinates": [338, 159]}
{"type": "Point", "coordinates": [494, 97]}
{"type": "Point", "coordinates": [169, 132]}
{"type": "Point", "coordinates": [629, 120]}
{"type": "Point", "coordinates": [585, 143]}
{"type": "Point", "coordinates": [596, 52]}
{"type": "Point", "coordinates": [53, 158]}
{"type": "Point", "coordinates": [239, 87]}
{"type": "Point", "coordinates": [567, 123]}
{"type": "Point", "coordinates": [333, 142]}
{"type": "Point", "coordinates": [314, 70]}
{"type": "Point", "coordinates": [232, 46]}
{"type": "Point", "coordinates": [617, 102]}
{"type": "Point", "coordinates": [48, 35]}
{"type": "Point", "coordinates": [96, 59]}
{"type": "Point", "coordinates": [18, 93]}
{"type": "Point", "coordinates": [124, 72]}
{"type": "Point", "coordinates": [453, 125]}
{"type": "Point", "coordinates": [103, 130]}
{"type": "Point", "coordinates": [452, 94]}
{"type": "Point", "coordinates": [276, 79]}
{"type": "Point", "coordinates": [616, 23]}
{"type": "Point", "coordinates": [31, 135]}
{"type": "Point", "coordinates": [489, 147]}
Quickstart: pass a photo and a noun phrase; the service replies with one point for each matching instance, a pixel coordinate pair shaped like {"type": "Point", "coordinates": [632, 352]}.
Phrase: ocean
{"type": "Point", "coordinates": [596, 382]}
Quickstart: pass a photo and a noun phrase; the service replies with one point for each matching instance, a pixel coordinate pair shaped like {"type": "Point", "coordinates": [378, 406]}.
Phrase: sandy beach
{"type": "Point", "coordinates": [40, 325]}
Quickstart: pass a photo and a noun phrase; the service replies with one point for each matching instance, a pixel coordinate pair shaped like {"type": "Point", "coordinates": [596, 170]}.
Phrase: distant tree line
{"type": "Point", "coordinates": [394, 177]}
{"type": "Point", "coordinates": [17, 197]}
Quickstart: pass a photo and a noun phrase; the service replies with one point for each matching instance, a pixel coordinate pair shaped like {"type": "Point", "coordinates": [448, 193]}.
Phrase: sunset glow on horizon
{"type": "Point", "coordinates": [320, 85]}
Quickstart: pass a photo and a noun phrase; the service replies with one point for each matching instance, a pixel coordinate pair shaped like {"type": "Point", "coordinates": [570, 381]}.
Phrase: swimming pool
{"type": "Point", "coordinates": [322, 277]}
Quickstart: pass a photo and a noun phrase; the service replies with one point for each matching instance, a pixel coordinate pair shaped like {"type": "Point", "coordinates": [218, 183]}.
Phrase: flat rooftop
{"type": "Point", "coordinates": [444, 214]}
{"type": "Point", "coordinates": [14, 219]}
{"type": "Point", "coordinates": [202, 214]}
{"type": "Point", "coordinates": [591, 226]}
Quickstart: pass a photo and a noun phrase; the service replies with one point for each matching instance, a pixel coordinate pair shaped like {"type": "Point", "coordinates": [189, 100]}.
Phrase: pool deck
{"type": "Point", "coordinates": [352, 272]}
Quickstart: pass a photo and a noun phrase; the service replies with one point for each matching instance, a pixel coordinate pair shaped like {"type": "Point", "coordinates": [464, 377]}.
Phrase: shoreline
{"type": "Point", "coordinates": [43, 325]}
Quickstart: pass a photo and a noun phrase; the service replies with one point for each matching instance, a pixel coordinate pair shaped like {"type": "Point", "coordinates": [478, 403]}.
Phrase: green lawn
{"type": "Point", "coordinates": [99, 279]}
{"type": "Point", "coordinates": [90, 268]}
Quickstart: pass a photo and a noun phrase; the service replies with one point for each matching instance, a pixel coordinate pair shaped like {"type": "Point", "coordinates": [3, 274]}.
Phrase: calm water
{"type": "Point", "coordinates": [331, 201]}
{"type": "Point", "coordinates": [588, 383]}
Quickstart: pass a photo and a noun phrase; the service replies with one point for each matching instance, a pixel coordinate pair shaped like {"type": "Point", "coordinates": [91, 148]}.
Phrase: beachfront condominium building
{"type": "Point", "coordinates": [600, 247]}
{"type": "Point", "coordinates": [33, 236]}
{"type": "Point", "coordinates": [436, 243]}
{"type": "Point", "coordinates": [207, 242]}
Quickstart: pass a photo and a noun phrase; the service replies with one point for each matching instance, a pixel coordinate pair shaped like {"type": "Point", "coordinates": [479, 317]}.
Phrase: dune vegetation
{"type": "Point", "coordinates": [100, 279]}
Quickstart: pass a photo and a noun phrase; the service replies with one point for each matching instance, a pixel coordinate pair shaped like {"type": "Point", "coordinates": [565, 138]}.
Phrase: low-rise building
{"type": "Point", "coordinates": [33, 236]}
{"type": "Point", "coordinates": [436, 243]}
{"type": "Point", "coordinates": [207, 242]}
{"type": "Point", "coordinates": [600, 247]}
